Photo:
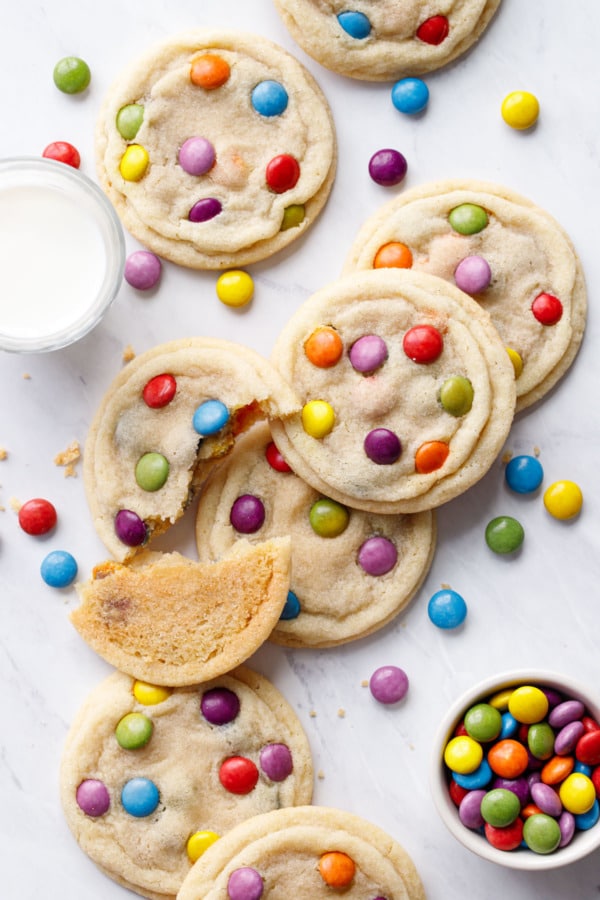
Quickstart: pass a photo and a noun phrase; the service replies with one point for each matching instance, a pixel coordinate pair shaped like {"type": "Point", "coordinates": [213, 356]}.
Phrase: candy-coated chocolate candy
{"type": "Point", "coordinates": [275, 459]}
{"type": "Point", "coordinates": [159, 391]}
{"type": "Point", "coordinates": [150, 694]}
{"type": "Point", "coordinates": [142, 270]}
{"type": "Point", "coordinates": [336, 869]}
{"type": "Point", "coordinates": [247, 514]}
{"type": "Point", "coordinates": [582, 767]}
{"type": "Point", "coordinates": [547, 309]}
{"type": "Point", "coordinates": [133, 731]}
{"type": "Point", "coordinates": [500, 699]}
{"type": "Point", "coordinates": [519, 786]}
{"type": "Point", "coordinates": [382, 446]}
{"type": "Point", "coordinates": [368, 353]}
{"type": "Point", "coordinates": [377, 555]}
{"type": "Point", "coordinates": [152, 471]}
{"type": "Point", "coordinates": [434, 30]}
{"type": "Point", "coordinates": [473, 274]}
{"type": "Point", "coordinates": [71, 75]}
{"type": "Point", "coordinates": [516, 360]}
{"type": "Point", "coordinates": [196, 156]}
{"type": "Point", "coordinates": [557, 769]}
{"type": "Point", "coordinates": [566, 823]}
{"type": "Point", "coordinates": [199, 842]}
{"type": "Point", "coordinates": [328, 518]}
{"type": "Point", "coordinates": [431, 456]}
{"type": "Point", "coordinates": [58, 568]}
{"type": "Point", "coordinates": [507, 838]}
{"type": "Point", "coordinates": [509, 725]}
{"type": "Point", "coordinates": [293, 215]}
{"type": "Point", "coordinates": [134, 162]}
{"type": "Point", "coordinates": [447, 609]}
{"type": "Point", "coordinates": [565, 712]}
{"type": "Point", "coordinates": [129, 528]}
{"type": "Point", "coordinates": [528, 704]}
{"type": "Point", "coordinates": [423, 343]}
{"type": "Point", "coordinates": [282, 173]}
{"type": "Point", "coordinates": [524, 474]}
{"type": "Point", "coordinates": [210, 417]}
{"type": "Point", "coordinates": [588, 748]}
{"type": "Point", "coordinates": [410, 95]}
{"type": "Point", "coordinates": [590, 724]}
{"type": "Point", "coordinates": [520, 109]}
{"type": "Point", "coordinates": [483, 722]}
{"type": "Point", "coordinates": [205, 210]}
{"type": "Point", "coordinates": [540, 740]}
{"type": "Point", "coordinates": [37, 516]}
{"type": "Point", "coordinates": [92, 797]}
{"type": "Point", "coordinates": [468, 218]}
{"type": "Point", "coordinates": [291, 607]}
{"type": "Point", "coordinates": [388, 684]}
{"type": "Point", "coordinates": [129, 120]}
{"type": "Point", "coordinates": [456, 395]}
{"type": "Point", "coordinates": [393, 255]}
{"type": "Point", "coordinates": [577, 793]}
{"type": "Point", "coordinates": [504, 534]}
{"type": "Point", "coordinates": [387, 167]}
{"type": "Point", "coordinates": [457, 792]}
{"type": "Point", "coordinates": [530, 809]}
{"type": "Point", "coordinates": [324, 347]}
{"type": "Point", "coordinates": [469, 811]}
{"type": "Point", "coordinates": [64, 152]}
{"type": "Point", "coordinates": [209, 71]}
{"type": "Point", "coordinates": [463, 755]}
{"type": "Point", "coordinates": [238, 775]}
{"type": "Point", "coordinates": [480, 778]}
{"type": "Point", "coordinates": [584, 821]}
{"type": "Point", "coordinates": [546, 798]}
{"type": "Point", "coordinates": [508, 758]}
{"type": "Point", "coordinates": [541, 833]}
{"type": "Point", "coordinates": [276, 761]}
{"type": "Point", "coordinates": [567, 737]}
{"type": "Point", "coordinates": [563, 499]}
{"type": "Point", "coordinates": [245, 883]}
{"type": "Point", "coordinates": [356, 24]}
{"type": "Point", "coordinates": [500, 807]}
{"type": "Point", "coordinates": [269, 98]}
{"type": "Point", "coordinates": [139, 797]}
{"type": "Point", "coordinates": [235, 288]}
{"type": "Point", "coordinates": [219, 706]}
{"type": "Point", "coordinates": [318, 418]}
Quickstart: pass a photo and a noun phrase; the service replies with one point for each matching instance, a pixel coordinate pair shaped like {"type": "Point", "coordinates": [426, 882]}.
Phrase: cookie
{"type": "Point", "coordinates": [169, 620]}
{"type": "Point", "coordinates": [308, 852]}
{"type": "Point", "coordinates": [216, 148]}
{"type": "Point", "coordinates": [505, 251]}
{"type": "Point", "coordinates": [151, 776]}
{"type": "Point", "coordinates": [382, 40]}
{"type": "Point", "coordinates": [162, 423]}
{"type": "Point", "coordinates": [408, 391]}
{"type": "Point", "coordinates": [352, 571]}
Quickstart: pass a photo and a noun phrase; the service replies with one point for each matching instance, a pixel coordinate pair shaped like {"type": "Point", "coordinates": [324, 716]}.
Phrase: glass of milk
{"type": "Point", "coordinates": [62, 254]}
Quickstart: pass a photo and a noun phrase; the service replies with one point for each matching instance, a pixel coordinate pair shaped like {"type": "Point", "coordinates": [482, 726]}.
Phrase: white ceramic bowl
{"type": "Point", "coordinates": [62, 254]}
{"type": "Point", "coordinates": [583, 842]}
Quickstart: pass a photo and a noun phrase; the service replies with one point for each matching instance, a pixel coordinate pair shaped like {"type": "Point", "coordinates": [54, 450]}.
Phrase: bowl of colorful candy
{"type": "Point", "coordinates": [515, 773]}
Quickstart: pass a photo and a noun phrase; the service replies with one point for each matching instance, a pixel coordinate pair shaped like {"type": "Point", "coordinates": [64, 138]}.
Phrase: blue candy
{"type": "Point", "coordinates": [447, 609]}
{"type": "Point", "coordinates": [58, 568]}
{"type": "Point", "coordinates": [269, 98]}
{"type": "Point", "coordinates": [139, 797]}
{"type": "Point", "coordinates": [356, 24]}
{"type": "Point", "coordinates": [291, 608]}
{"type": "Point", "coordinates": [474, 780]}
{"type": "Point", "coordinates": [210, 417]}
{"type": "Point", "coordinates": [510, 726]}
{"type": "Point", "coordinates": [583, 821]}
{"type": "Point", "coordinates": [524, 474]}
{"type": "Point", "coordinates": [410, 95]}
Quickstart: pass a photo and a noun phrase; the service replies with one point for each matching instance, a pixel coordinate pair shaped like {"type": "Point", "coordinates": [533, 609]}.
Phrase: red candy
{"type": "Point", "coordinates": [37, 516]}
{"type": "Point", "coordinates": [159, 391]}
{"type": "Point", "coordinates": [238, 775]}
{"type": "Point", "coordinates": [275, 459]}
{"type": "Point", "coordinates": [587, 750]}
{"type": "Point", "coordinates": [456, 792]}
{"type": "Point", "coordinates": [282, 173]}
{"type": "Point", "coordinates": [63, 152]}
{"type": "Point", "coordinates": [423, 343]}
{"type": "Point", "coordinates": [434, 30]}
{"type": "Point", "coordinates": [507, 838]}
{"type": "Point", "coordinates": [547, 309]}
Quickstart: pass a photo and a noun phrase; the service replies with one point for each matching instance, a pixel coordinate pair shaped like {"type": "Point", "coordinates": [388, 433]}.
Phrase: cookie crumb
{"type": "Point", "coordinates": [321, 774]}
{"type": "Point", "coordinates": [69, 458]}
{"type": "Point", "coordinates": [313, 713]}
{"type": "Point", "coordinates": [128, 353]}
{"type": "Point", "coordinates": [536, 452]}
{"type": "Point", "coordinates": [507, 456]}
{"type": "Point", "coordinates": [26, 376]}
{"type": "Point", "coordinates": [445, 587]}
{"type": "Point", "coordinates": [3, 453]}
{"type": "Point", "coordinates": [341, 713]}
{"type": "Point", "coordinates": [15, 504]}
{"type": "Point", "coordinates": [364, 682]}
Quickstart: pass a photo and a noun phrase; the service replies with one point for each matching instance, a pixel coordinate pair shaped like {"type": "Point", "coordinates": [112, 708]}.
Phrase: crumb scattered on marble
{"type": "Point", "coordinates": [445, 587]}
{"type": "Point", "coordinates": [364, 682]}
{"type": "Point", "coordinates": [341, 713]}
{"type": "Point", "coordinates": [15, 504]}
{"type": "Point", "coordinates": [321, 774]}
{"type": "Point", "coordinates": [26, 376]}
{"type": "Point", "coordinates": [69, 458]}
{"type": "Point", "coordinates": [3, 453]}
{"type": "Point", "coordinates": [507, 456]}
{"type": "Point", "coordinates": [313, 713]}
{"type": "Point", "coordinates": [128, 353]}
{"type": "Point", "coordinates": [536, 452]}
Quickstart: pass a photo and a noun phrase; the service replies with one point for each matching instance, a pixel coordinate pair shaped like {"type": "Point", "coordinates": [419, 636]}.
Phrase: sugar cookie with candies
{"type": "Point", "coordinates": [408, 393]}
{"type": "Point", "coordinates": [503, 250]}
{"type": "Point", "coordinates": [150, 777]}
{"type": "Point", "coordinates": [217, 148]}
{"type": "Point", "coordinates": [351, 572]}
{"type": "Point", "coordinates": [377, 40]}
{"type": "Point", "coordinates": [311, 853]}
{"type": "Point", "coordinates": [162, 423]}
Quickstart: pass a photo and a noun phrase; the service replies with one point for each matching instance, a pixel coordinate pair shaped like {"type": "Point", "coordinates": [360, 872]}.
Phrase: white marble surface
{"type": "Point", "coordinates": [540, 608]}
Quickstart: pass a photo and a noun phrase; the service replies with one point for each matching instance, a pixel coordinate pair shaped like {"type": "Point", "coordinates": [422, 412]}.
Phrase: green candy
{"type": "Point", "coordinates": [504, 534]}
{"type": "Point", "coordinates": [328, 518]}
{"type": "Point", "coordinates": [129, 120]}
{"type": "Point", "coordinates": [483, 722]}
{"type": "Point", "coordinates": [292, 216]}
{"type": "Point", "coordinates": [71, 75]}
{"type": "Point", "coordinates": [468, 218]}
{"type": "Point", "coordinates": [152, 471]}
{"type": "Point", "coordinates": [456, 395]}
{"type": "Point", "coordinates": [540, 740]}
{"type": "Point", "coordinates": [133, 731]}
{"type": "Point", "coordinates": [500, 807]}
{"type": "Point", "coordinates": [541, 833]}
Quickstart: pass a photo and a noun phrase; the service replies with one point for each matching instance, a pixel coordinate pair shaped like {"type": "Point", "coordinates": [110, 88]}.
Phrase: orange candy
{"type": "Point", "coordinates": [324, 347]}
{"type": "Point", "coordinates": [431, 456]}
{"type": "Point", "coordinates": [209, 71]}
{"type": "Point", "coordinates": [393, 256]}
{"type": "Point", "coordinates": [530, 809]}
{"type": "Point", "coordinates": [508, 758]}
{"type": "Point", "coordinates": [336, 869]}
{"type": "Point", "coordinates": [557, 769]}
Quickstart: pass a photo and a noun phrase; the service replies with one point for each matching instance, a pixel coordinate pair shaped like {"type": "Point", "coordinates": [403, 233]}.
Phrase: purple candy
{"type": "Point", "coordinates": [129, 528]}
{"type": "Point", "coordinates": [205, 209]}
{"type": "Point", "coordinates": [388, 684]}
{"type": "Point", "coordinates": [247, 514]}
{"type": "Point", "coordinates": [219, 706]}
{"type": "Point", "coordinates": [142, 270]}
{"type": "Point", "coordinates": [92, 797]}
{"type": "Point", "coordinates": [547, 799]}
{"type": "Point", "coordinates": [567, 737]}
{"type": "Point", "coordinates": [382, 446]}
{"type": "Point", "coordinates": [276, 761]}
{"type": "Point", "coordinates": [196, 156]}
{"type": "Point", "coordinates": [553, 697]}
{"type": "Point", "coordinates": [566, 823]}
{"type": "Point", "coordinates": [565, 713]}
{"type": "Point", "coordinates": [368, 353]}
{"type": "Point", "coordinates": [244, 884]}
{"type": "Point", "coordinates": [518, 786]}
{"type": "Point", "coordinates": [377, 555]}
{"type": "Point", "coordinates": [533, 778]}
{"type": "Point", "coordinates": [387, 167]}
{"type": "Point", "coordinates": [473, 274]}
{"type": "Point", "coordinates": [469, 811]}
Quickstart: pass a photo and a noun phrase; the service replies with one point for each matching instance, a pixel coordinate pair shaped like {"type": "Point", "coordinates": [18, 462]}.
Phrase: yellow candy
{"type": "Point", "coordinates": [199, 842]}
{"type": "Point", "coordinates": [134, 162]}
{"type": "Point", "coordinates": [235, 288]}
{"type": "Point", "coordinates": [150, 694]}
{"type": "Point", "coordinates": [318, 418]}
{"type": "Point", "coordinates": [577, 793]}
{"type": "Point", "coordinates": [563, 499]}
{"type": "Point", "coordinates": [516, 360]}
{"type": "Point", "coordinates": [500, 699]}
{"type": "Point", "coordinates": [528, 704]}
{"type": "Point", "coordinates": [463, 754]}
{"type": "Point", "coordinates": [292, 216]}
{"type": "Point", "coordinates": [520, 109]}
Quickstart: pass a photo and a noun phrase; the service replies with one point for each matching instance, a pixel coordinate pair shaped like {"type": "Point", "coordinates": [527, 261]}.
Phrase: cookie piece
{"type": "Point", "coordinates": [310, 852]}
{"type": "Point", "coordinates": [381, 40]}
{"type": "Point", "coordinates": [162, 423]}
{"type": "Point", "coordinates": [509, 254]}
{"type": "Point", "coordinates": [352, 571]}
{"type": "Point", "coordinates": [169, 620]}
{"type": "Point", "coordinates": [217, 148]}
{"type": "Point", "coordinates": [150, 776]}
{"type": "Point", "coordinates": [408, 391]}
